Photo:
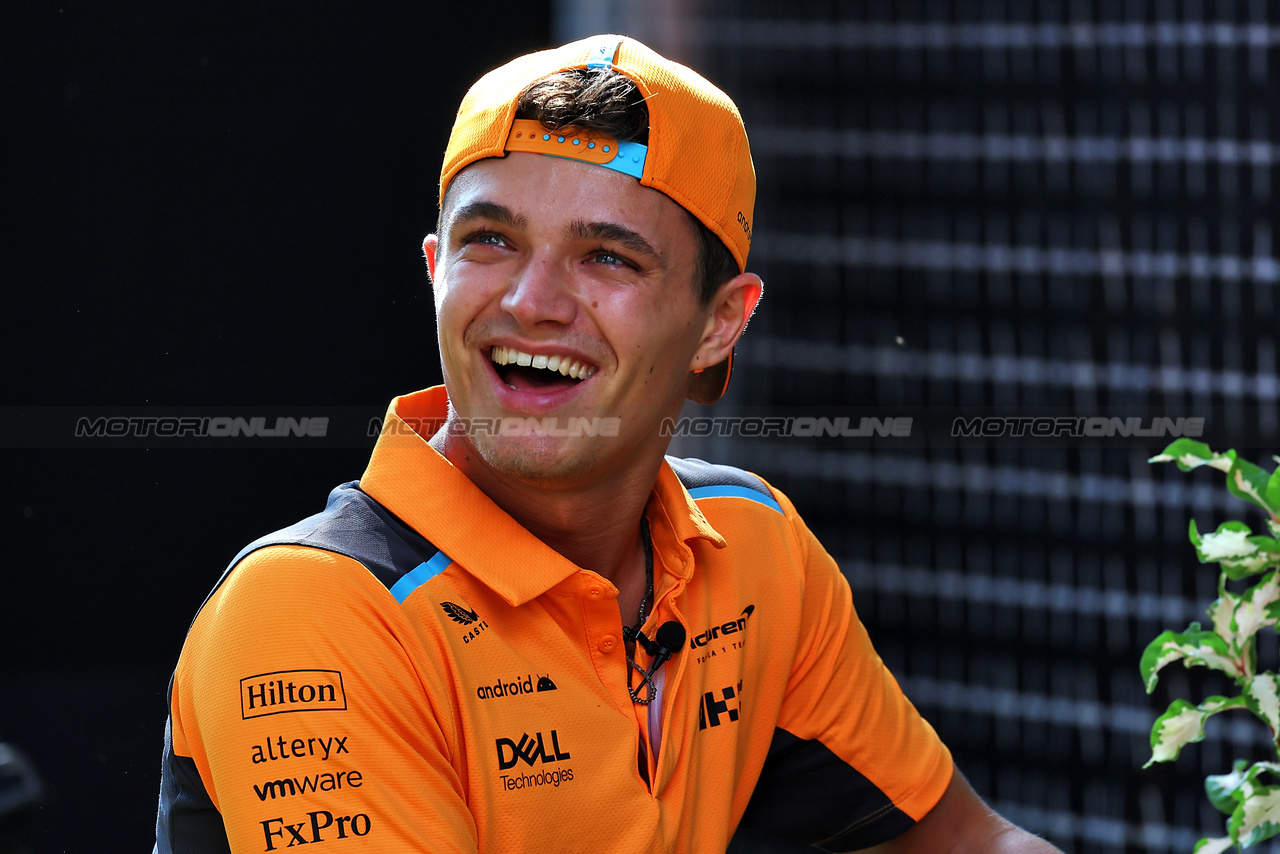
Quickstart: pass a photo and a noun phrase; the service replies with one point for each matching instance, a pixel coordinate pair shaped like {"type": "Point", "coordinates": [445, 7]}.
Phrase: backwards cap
{"type": "Point", "coordinates": [697, 152]}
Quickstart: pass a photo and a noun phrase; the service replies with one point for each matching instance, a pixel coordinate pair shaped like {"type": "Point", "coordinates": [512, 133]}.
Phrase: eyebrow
{"type": "Point", "coordinates": [580, 230]}
{"type": "Point", "coordinates": [500, 214]}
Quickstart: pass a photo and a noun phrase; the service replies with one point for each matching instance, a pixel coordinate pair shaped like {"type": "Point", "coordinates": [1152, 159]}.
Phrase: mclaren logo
{"type": "Point", "coordinates": [730, 628]}
{"type": "Point", "coordinates": [459, 614]}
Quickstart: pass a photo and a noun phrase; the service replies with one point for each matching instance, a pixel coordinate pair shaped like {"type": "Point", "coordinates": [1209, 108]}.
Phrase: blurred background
{"type": "Point", "coordinates": [998, 209]}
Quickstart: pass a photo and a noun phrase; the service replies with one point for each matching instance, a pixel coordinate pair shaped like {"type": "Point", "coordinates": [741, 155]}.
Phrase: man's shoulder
{"type": "Point", "coordinates": [352, 525]}
{"type": "Point", "coordinates": [702, 479]}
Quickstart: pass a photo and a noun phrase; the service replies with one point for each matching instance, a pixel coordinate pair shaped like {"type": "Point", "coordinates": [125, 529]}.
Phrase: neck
{"type": "Point", "coordinates": [594, 524]}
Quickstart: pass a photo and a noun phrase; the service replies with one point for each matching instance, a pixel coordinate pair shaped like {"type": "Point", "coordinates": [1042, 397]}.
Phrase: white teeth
{"type": "Point", "coordinates": [566, 365]}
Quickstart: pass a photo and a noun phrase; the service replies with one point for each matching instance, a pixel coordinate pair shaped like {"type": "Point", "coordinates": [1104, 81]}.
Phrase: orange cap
{"type": "Point", "coordinates": [697, 152]}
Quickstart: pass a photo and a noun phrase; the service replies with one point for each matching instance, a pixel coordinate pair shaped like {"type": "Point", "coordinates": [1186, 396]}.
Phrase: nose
{"type": "Point", "coordinates": [540, 293]}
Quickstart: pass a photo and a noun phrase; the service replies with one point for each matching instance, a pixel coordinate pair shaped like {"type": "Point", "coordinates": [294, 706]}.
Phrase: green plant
{"type": "Point", "coordinates": [1249, 794]}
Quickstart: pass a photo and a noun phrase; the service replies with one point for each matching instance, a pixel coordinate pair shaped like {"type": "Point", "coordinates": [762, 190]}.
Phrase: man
{"type": "Point", "coordinates": [524, 629]}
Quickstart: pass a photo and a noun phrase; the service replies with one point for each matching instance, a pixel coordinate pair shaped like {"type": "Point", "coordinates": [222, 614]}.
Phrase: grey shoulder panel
{"type": "Point", "coordinates": [354, 525]}
{"type": "Point", "coordinates": [695, 473]}
{"type": "Point", "coordinates": [707, 480]}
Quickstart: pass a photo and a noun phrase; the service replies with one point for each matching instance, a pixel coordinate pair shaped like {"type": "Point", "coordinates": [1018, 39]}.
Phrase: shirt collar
{"type": "Point", "coordinates": [408, 477]}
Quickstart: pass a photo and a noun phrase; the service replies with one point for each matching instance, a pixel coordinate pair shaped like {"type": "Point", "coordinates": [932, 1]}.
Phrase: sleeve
{"type": "Point", "coordinates": [852, 763]}
{"type": "Point", "coordinates": [302, 712]}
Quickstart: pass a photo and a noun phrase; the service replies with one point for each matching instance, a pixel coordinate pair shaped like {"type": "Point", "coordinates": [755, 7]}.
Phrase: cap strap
{"type": "Point", "coordinates": [604, 53]}
{"type": "Point", "coordinates": [625, 157]}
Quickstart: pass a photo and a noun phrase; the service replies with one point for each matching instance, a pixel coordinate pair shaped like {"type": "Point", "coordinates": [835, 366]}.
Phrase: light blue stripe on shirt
{"type": "Point", "coordinates": [420, 575]}
{"type": "Point", "coordinates": [735, 492]}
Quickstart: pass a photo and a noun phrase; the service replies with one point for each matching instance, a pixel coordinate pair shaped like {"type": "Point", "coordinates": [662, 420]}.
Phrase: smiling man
{"type": "Point", "coordinates": [525, 628]}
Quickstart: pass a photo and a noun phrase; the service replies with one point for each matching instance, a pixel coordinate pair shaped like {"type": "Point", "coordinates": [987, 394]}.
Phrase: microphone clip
{"type": "Point", "coordinates": [666, 642]}
{"type": "Point", "coordinates": [634, 634]}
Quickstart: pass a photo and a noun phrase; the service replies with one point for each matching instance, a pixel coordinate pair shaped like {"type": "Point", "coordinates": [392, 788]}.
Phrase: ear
{"type": "Point", "coordinates": [429, 250]}
{"type": "Point", "coordinates": [727, 317]}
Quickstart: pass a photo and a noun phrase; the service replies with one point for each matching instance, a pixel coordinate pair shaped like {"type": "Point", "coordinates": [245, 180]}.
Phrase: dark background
{"type": "Point", "coordinates": [208, 205]}
{"type": "Point", "coordinates": [1019, 208]}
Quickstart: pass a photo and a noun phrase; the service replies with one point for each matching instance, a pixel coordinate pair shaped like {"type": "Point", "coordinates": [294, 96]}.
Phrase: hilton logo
{"type": "Point", "coordinates": [291, 691]}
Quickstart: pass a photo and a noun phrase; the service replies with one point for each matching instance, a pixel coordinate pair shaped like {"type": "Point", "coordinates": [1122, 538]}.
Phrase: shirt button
{"type": "Point", "coordinates": [607, 644]}
{"type": "Point", "coordinates": [594, 592]}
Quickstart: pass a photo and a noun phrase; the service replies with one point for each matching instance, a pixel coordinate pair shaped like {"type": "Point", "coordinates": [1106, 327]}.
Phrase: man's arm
{"type": "Point", "coordinates": [960, 823]}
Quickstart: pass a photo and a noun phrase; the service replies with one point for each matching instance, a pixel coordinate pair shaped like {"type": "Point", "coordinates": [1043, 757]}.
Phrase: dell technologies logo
{"type": "Point", "coordinates": [530, 750]}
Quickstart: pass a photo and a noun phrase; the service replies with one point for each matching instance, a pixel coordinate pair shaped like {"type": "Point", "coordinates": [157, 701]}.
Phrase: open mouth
{"type": "Point", "coordinates": [527, 372]}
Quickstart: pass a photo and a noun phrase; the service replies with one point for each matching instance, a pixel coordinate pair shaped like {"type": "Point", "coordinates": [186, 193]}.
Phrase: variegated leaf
{"type": "Point", "coordinates": [1258, 816]}
{"type": "Point", "coordinates": [1231, 540]}
{"type": "Point", "coordinates": [1222, 788]}
{"type": "Point", "coordinates": [1254, 611]}
{"type": "Point", "coordinates": [1262, 693]}
{"type": "Point", "coordinates": [1183, 724]}
{"type": "Point", "coordinates": [1252, 773]}
{"type": "Point", "coordinates": [1254, 818]}
{"type": "Point", "coordinates": [1193, 647]}
{"type": "Point", "coordinates": [1233, 546]}
{"type": "Point", "coordinates": [1221, 612]}
{"type": "Point", "coordinates": [1190, 454]}
{"type": "Point", "coordinates": [1213, 846]}
{"type": "Point", "coordinates": [1247, 481]}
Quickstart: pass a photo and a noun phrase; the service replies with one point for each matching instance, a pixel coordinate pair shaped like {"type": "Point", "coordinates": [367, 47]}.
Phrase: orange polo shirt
{"type": "Point", "coordinates": [411, 670]}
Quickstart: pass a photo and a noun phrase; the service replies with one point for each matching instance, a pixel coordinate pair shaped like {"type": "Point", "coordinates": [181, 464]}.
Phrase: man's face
{"type": "Point", "coordinates": [564, 291]}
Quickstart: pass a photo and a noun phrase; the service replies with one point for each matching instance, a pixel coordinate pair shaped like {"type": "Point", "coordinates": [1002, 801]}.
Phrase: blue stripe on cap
{"type": "Point", "coordinates": [603, 54]}
{"type": "Point", "coordinates": [420, 575]}
{"type": "Point", "coordinates": [630, 159]}
{"type": "Point", "coordinates": [735, 492]}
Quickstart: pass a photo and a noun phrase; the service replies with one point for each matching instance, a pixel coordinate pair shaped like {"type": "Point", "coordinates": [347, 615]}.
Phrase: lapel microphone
{"type": "Point", "coordinates": [666, 642]}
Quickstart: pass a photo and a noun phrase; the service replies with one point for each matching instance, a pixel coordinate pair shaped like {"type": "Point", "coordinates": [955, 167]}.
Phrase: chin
{"type": "Point", "coordinates": [540, 460]}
